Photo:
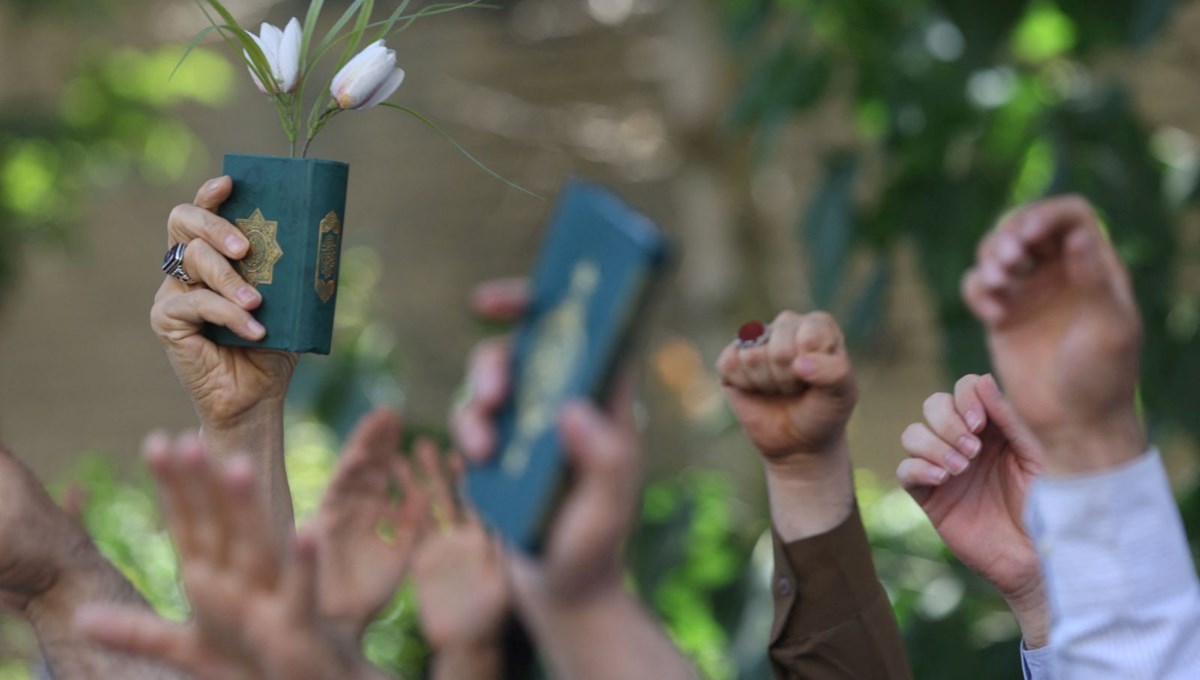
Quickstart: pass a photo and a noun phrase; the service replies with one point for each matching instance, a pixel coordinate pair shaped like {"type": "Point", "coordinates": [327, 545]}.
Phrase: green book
{"type": "Point", "coordinates": [293, 212]}
{"type": "Point", "coordinates": [599, 264]}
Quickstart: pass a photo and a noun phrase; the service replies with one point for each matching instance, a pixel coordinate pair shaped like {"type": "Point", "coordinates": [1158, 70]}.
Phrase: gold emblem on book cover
{"type": "Point", "coordinates": [559, 343]}
{"type": "Point", "coordinates": [258, 267]}
{"type": "Point", "coordinates": [328, 238]}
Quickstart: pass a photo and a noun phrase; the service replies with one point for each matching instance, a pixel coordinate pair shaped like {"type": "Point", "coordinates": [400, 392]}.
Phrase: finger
{"type": "Point", "coordinates": [196, 473]}
{"type": "Point", "coordinates": [986, 304]}
{"type": "Point", "coordinates": [781, 352]}
{"type": "Point", "coordinates": [730, 369]}
{"type": "Point", "coordinates": [947, 423]}
{"type": "Point", "coordinates": [299, 582]}
{"type": "Point", "coordinates": [188, 223]}
{"type": "Point", "coordinates": [921, 442]}
{"type": "Point", "coordinates": [992, 276]}
{"type": "Point", "coordinates": [444, 508]}
{"type": "Point", "coordinates": [490, 373]}
{"type": "Point", "coordinates": [180, 316]}
{"type": "Point", "coordinates": [1012, 256]}
{"type": "Point", "coordinates": [756, 367]}
{"type": "Point", "coordinates": [620, 406]}
{"type": "Point", "coordinates": [1001, 413]}
{"type": "Point", "coordinates": [136, 631]}
{"type": "Point", "coordinates": [253, 548]}
{"type": "Point", "coordinates": [158, 452]}
{"type": "Point", "coordinates": [968, 404]}
{"type": "Point", "coordinates": [409, 517]}
{"type": "Point", "coordinates": [502, 299]}
{"type": "Point", "coordinates": [605, 465]}
{"type": "Point", "coordinates": [919, 477]}
{"type": "Point", "coordinates": [376, 437]}
{"type": "Point", "coordinates": [204, 264]}
{"type": "Point", "coordinates": [474, 433]}
{"type": "Point", "coordinates": [825, 371]}
{"type": "Point", "coordinates": [818, 332]}
{"type": "Point", "coordinates": [214, 193]}
{"type": "Point", "coordinates": [1051, 218]}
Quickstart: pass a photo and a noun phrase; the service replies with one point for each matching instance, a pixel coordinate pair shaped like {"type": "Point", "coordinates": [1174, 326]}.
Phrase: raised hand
{"type": "Point", "coordinates": [462, 588]}
{"type": "Point", "coordinates": [1064, 331]}
{"type": "Point", "coordinates": [227, 385]}
{"type": "Point", "coordinates": [793, 395]}
{"type": "Point", "coordinates": [970, 466]}
{"type": "Point", "coordinates": [360, 567]}
{"type": "Point", "coordinates": [255, 608]}
{"type": "Point", "coordinates": [572, 596]}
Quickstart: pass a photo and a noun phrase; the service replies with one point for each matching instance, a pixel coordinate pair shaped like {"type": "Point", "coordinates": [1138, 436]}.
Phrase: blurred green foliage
{"type": "Point", "coordinates": [112, 118]}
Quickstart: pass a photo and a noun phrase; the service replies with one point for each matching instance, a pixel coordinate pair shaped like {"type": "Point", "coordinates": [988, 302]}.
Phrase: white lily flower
{"type": "Point", "coordinates": [282, 50]}
{"type": "Point", "coordinates": [368, 79]}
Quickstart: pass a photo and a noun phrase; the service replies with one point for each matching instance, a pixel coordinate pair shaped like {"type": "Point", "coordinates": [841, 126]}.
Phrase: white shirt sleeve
{"type": "Point", "coordinates": [1037, 664]}
{"type": "Point", "coordinates": [1124, 598]}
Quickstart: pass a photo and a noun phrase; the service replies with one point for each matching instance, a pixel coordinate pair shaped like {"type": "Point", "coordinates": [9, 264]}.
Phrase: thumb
{"type": "Point", "coordinates": [601, 449]}
{"type": "Point", "coordinates": [1086, 264]}
{"type": "Point", "coordinates": [1001, 413]}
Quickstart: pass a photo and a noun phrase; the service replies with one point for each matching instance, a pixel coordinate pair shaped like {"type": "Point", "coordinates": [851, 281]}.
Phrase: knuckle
{"type": "Point", "coordinates": [935, 402]}
{"type": "Point", "coordinates": [966, 383]}
{"type": "Point", "coordinates": [786, 316]}
{"type": "Point", "coordinates": [177, 215]}
{"type": "Point", "coordinates": [911, 436]}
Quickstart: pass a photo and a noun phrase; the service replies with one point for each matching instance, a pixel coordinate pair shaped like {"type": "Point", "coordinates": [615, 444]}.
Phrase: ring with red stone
{"type": "Point", "coordinates": [753, 334]}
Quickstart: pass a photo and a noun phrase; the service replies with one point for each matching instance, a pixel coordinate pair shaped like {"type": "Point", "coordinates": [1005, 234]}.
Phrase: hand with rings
{"type": "Point", "coordinates": [229, 386]}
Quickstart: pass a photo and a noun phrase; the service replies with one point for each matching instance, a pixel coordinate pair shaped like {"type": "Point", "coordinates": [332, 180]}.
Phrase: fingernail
{"type": "Point", "coordinates": [940, 475]}
{"type": "Point", "coordinates": [211, 186]}
{"type": "Point", "coordinates": [247, 295]}
{"type": "Point", "coordinates": [974, 420]}
{"type": "Point", "coordinates": [969, 445]}
{"type": "Point", "coordinates": [256, 329]}
{"type": "Point", "coordinates": [237, 244]}
{"type": "Point", "coordinates": [806, 366]}
{"type": "Point", "coordinates": [956, 462]}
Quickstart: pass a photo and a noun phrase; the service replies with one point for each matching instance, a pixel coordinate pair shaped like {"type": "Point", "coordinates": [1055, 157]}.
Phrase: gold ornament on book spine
{"type": "Point", "coordinates": [327, 256]}
{"type": "Point", "coordinates": [258, 267]}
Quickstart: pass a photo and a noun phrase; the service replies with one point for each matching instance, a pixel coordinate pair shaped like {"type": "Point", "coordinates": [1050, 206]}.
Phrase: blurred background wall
{"type": "Point", "coordinates": [807, 154]}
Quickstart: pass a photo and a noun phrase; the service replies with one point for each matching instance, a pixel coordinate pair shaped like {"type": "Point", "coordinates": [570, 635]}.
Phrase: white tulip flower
{"type": "Point", "coordinates": [368, 79]}
{"type": "Point", "coordinates": [282, 50]}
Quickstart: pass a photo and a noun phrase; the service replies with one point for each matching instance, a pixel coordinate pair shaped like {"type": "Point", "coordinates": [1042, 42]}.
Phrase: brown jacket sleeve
{"type": "Point", "coordinates": [832, 617]}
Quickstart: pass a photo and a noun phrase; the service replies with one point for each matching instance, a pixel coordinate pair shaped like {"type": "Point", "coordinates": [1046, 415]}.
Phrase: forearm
{"type": "Point", "coordinates": [609, 635]}
{"type": "Point", "coordinates": [259, 435]}
{"type": "Point", "coordinates": [1119, 571]}
{"type": "Point", "coordinates": [481, 662]}
{"type": "Point", "coordinates": [93, 580]}
{"type": "Point", "coordinates": [810, 494]}
{"type": "Point", "coordinates": [832, 617]}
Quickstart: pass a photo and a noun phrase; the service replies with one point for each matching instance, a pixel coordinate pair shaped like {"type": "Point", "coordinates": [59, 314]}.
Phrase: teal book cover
{"type": "Point", "coordinates": [598, 266]}
{"type": "Point", "coordinates": [293, 212]}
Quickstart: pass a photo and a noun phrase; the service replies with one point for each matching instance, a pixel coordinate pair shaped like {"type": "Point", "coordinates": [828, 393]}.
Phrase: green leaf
{"type": "Point", "coordinates": [332, 35]}
{"type": "Point", "coordinates": [258, 60]}
{"type": "Point", "coordinates": [445, 135]}
{"type": "Point", "coordinates": [310, 27]}
{"type": "Point", "coordinates": [440, 9]}
{"type": "Point", "coordinates": [193, 45]}
{"type": "Point", "coordinates": [360, 28]}
{"type": "Point", "coordinates": [391, 21]}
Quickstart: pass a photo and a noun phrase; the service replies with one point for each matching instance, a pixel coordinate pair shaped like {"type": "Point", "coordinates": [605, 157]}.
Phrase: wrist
{"type": "Point", "coordinates": [810, 493]}
{"type": "Point", "coordinates": [1080, 449]}
{"type": "Point", "coordinates": [246, 423]}
{"type": "Point", "coordinates": [1032, 611]}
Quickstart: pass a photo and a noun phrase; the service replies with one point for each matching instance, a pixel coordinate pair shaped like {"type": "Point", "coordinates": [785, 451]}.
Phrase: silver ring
{"type": "Point", "coordinates": [172, 264]}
